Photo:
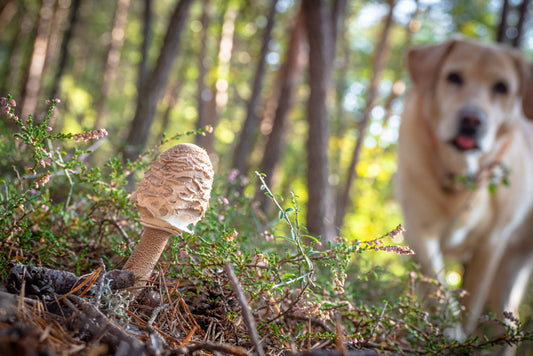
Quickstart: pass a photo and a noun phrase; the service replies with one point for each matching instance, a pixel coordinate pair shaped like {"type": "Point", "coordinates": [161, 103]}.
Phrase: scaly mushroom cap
{"type": "Point", "coordinates": [175, 190]}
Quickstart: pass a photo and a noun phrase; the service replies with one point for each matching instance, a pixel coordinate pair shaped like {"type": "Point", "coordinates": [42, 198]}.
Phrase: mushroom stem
{"type": "Point", "coordinates": [146, 254]}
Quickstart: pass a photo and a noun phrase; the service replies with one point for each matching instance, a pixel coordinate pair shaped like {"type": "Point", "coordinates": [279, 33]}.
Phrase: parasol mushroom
{"type": "Point", "coordinates": [173, 194]}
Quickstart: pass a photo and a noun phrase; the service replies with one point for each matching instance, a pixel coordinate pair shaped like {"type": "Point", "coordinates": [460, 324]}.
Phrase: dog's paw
{"type": "Point", "coordinates": [455, 332]}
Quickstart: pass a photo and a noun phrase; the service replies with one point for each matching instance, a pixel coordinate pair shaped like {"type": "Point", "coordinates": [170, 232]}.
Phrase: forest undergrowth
{"type": "Point", "coordinates": [240, 283]}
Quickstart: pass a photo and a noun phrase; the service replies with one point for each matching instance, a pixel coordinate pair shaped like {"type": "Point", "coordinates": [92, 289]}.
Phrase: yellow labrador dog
{"type": "Point", "coordinates": [465, 128]}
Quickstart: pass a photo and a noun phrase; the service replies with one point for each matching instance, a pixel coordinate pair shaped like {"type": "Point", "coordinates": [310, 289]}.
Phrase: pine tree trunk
{"type": "Point", "coordinates": [290, 71]}
{"type": "Point", "coordinates": [152, 89]}
{"type": "Point", "coordinates": [319, 33]}
{"type": "Point", "coordinates": [63, 52]}
{"type": "Point", "coordinates": [343, 197]}
{"type": "Point", "coordinates": [112, 58]}
{"type": "Point", "coordinates": [38, 58]}
{"type": "Point", "coordinates": [249, 128]}
{"type": "Point", "coordinates": [201, 93]}
{"type": "Point", "coordinates": [147, 38]}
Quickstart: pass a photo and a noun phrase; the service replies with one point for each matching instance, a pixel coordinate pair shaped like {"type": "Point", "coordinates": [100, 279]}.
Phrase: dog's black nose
{"type": "Point", "coordinates": [471, 121]}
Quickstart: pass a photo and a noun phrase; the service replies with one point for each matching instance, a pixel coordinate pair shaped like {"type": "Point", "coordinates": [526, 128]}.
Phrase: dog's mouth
{"type": "Point", "coordinates": [465, 143]}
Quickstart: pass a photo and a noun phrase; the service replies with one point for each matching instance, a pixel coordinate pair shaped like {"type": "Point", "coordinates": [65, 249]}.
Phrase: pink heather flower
{"type": "Point", "coordinates": [267, 235]}
{"type": "Point", "coordinates": [208, 128]}
{"type": "Point", "coordinates": [399, 229]}
{"type": "Point", "coordinates": [233, 175]}
{"type": "Point", "coordinates": [49, 128]}
{"type": "Point", "coordinates": [90, 135]}
{"type": "Point", "coordinates": [239, 253]}
{"type": "Point", "coordinates": [220, 217]}
{"type": "Point", "coordinates": [182, 252]}
{"type": "Point", "coordinates": [57, 101]}
{"type": "Point", "coordinates": [318, 243]}
{"type": "Point", "coordinates": [47, 102]}
{"type": "Point", "coordinates": [13, 103]}
{"type": "Point", "coordinates": [223, 201]}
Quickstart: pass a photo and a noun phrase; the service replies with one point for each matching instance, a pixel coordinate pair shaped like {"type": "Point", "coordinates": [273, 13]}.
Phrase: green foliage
{"type": "Point", "coordinates": [57, 212]}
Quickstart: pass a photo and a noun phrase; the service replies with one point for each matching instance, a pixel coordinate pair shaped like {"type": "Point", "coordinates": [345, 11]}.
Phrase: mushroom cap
{"type": "Point", "coordinates": [175, 190]}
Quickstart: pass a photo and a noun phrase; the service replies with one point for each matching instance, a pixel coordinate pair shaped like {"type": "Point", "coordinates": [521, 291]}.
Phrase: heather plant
{"type": "Point", "coordinates": [57, 211]}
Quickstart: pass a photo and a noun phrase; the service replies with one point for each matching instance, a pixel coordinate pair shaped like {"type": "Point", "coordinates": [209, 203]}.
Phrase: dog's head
{"type": "Point", "coordinates": [473, 92]}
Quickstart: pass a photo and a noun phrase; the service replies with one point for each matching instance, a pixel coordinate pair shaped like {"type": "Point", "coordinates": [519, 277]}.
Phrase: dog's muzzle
{"type": "Point", "coordinates": [471, 127]}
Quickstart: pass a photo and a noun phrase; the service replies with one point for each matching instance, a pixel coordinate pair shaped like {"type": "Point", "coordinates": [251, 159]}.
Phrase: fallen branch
{"type": "Point", "coordinates": [248, 317]}
{"type": "Point", "coordinates": [208, 346]}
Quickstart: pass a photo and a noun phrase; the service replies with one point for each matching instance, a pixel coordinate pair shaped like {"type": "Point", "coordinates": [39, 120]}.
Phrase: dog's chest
{"type": "Point", "coordinates": [467, 222]}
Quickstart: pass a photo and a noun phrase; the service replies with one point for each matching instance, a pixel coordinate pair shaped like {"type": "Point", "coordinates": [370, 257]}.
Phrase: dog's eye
{"type": "Point", "coordinates": [500, 88]}
{"type": "Point", "coordinates": [455, 78]}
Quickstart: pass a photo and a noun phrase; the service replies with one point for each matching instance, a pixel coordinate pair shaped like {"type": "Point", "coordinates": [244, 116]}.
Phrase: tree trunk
{"type": "Point", "coordinates": [147, 38]}
{"type": "Point", "coordinates": [319, 33]}
{"type": "Point", "coordinates": [290, 71]}
{"type": "Point", "coordinates": [33, 83]}
{"type": "Point", "coordinates": [500, 34]}
{"type": "Point", "coordinates": [112, 58]}
{"type": "Point", "coordinates": [170, 100]}
{"type": "Point", "coordinates": [151, 90]}
{"type": "Point", "coordinates": [202, 71]}
{"type": "Point", "coordinates": [522, 12]}
{"type": "Point", "coordinates": [343, 198]}
{"type": "Point", "coordinates": [63, 53]}
{"type": "Point", "coordinates": [222, 63]}
{"type": "Point", "coordinates": [249, 128]}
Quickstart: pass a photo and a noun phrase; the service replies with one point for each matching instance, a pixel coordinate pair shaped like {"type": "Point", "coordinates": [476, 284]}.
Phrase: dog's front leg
{"type": "Point", "coordinates": [478, 280]}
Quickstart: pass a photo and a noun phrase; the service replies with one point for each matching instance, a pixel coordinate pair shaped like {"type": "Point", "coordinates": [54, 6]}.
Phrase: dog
{"type": "Point", "coordinates": [464, 133]}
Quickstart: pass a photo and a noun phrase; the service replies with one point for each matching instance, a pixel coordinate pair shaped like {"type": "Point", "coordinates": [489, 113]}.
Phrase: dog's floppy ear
{"type": "Point", "coordinates": [424, 63]}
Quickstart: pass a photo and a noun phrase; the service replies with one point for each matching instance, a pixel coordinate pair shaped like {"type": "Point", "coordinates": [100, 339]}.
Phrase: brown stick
{"type": "Point", "coordinates": [248, 317]}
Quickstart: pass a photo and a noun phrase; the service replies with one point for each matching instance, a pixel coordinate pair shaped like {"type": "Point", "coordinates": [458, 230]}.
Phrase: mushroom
{"type": "Point", "coordinates": [173, 194]}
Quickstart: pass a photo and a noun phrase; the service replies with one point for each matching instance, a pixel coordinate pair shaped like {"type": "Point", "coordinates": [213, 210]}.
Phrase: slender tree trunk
{"type": "Point", "coordinates": [170, 100]}
{"type": "Point", "coordinates": [219, 86]}
{"type": "Point", "coordinates": [339, 120]}
{"type": "Point", "coordinates": [343, 198]}
{"type": "Point", "coordinates": [201, 94]}
{"type": "Point", "coordinates": [151, 90]}
{"type": "Point", "coordinates": [33, 83]}
{"type": "Point", "coordinates": [63, 53]}
{"type": "Point", "coordinates": [147, 38]}
{"type": "Point", "coordinates": [112, 58]}
{"type": "Point", "coordinates": [290, 71]}
{"type": "Point", "coordinates": [319, 33]}
{"type": "Point", "coordinates": [57, 29]}
{"type": "Point", "coordinates": [522, 12]}
{"type": "Point", "coordinates": [7, 12]}
{"type": "Point", "coordinates": [500, 34]}
{"type": "Point", "coordinates": [249, 128]}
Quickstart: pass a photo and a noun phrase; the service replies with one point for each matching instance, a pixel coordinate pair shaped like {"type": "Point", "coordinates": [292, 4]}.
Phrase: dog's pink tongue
{"type": "Point", "coordinates": [465, 142]}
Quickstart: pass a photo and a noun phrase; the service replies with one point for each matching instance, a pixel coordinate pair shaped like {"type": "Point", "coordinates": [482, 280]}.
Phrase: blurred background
{"type": "Point", "coordinates": [307, 92]}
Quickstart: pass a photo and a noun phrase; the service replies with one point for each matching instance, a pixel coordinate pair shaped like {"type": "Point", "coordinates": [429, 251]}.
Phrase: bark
{"type": "Point", "coordinates": [500, 34]}
{"type": "Point", "coordinates": [319, 33]}
{"type": "Point", "coordinates": [7, 12]}
{"type": "Point", "coordinates": [170, 99]}
{"type": "Point", "coordinates": [290, 71]}
{"type": "Point", "coordinates": [63, 53]}
{"type": "Point", "coordinates": [6, 16]}
{"type": "Point", "coordinates": [222, 62]}
{"type": "Point", "coordinates": [343, 198]}
{"type": "Point", "coordinates": [147, 38]}
{"type": "Point", "coordinates": [151, 90]}
{"type": "Point", "coordinates": [112, 58]}
{"type": "Point", "coordinates": [202, 71]}
{"type": "Point", "coordinates": [522, 15]}
{"type": "Point", "coordinates": [248, 132]}
{"type": "Point", "coordinates": [38, 57]}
